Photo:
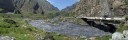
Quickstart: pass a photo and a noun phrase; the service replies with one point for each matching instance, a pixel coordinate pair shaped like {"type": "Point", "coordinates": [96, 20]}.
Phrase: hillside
{"type": "Point", "coordinates": [28, 24]}
{"type": "Point", "coordinates": [26, 6]}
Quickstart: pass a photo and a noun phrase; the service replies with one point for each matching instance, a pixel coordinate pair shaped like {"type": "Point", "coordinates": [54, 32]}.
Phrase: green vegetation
{"type": "Point", "coordinates": [103, 38]}
{"type": "Point", "coordinates": [122, 27]}
{"type": "Point", "coordinates": [22, 16]}
{"type": "Point", "coordinates": [51, 15]}
{"type": "Point", "coordinates": [126, 1]}
{"type": "Point", "coordinates": [18, 29]}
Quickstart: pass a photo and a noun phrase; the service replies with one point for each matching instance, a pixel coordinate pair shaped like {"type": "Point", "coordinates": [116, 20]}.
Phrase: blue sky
{"type": "Point", "coordinates": [61, 4]}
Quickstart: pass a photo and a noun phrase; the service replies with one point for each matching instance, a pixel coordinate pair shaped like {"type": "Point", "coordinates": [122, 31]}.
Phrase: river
{"type": "Point", "coordinates": [68, 28]}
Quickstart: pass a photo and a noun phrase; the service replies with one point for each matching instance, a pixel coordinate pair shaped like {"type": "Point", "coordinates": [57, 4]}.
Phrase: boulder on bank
{"type": "Point", "coordinates": [6, 38]}
{"type": "Point", "coordinates": [120, 36]}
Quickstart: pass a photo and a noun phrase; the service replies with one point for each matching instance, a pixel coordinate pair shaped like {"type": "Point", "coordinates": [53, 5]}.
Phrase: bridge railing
{"type": "Point", "coordinates": [103, 18]}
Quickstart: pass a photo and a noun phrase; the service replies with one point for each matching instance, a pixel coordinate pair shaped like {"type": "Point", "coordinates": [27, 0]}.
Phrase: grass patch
{"type": "Point", "coordinates": [22, 32]}
{"type": "Point", "coordinates": [103, 38]}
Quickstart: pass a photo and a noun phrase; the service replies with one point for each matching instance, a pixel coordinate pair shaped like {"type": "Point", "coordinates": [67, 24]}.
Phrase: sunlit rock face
{"type": "Point", "coordinates": [102, 7]}
{"type": "Point", "coordinates": [120, 36]}
{"type": "Point", "coordinates": [117, 36]}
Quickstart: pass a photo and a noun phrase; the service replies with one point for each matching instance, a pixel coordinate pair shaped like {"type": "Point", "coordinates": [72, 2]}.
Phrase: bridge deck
{"type": "Point", "coordinates": [103, 18]}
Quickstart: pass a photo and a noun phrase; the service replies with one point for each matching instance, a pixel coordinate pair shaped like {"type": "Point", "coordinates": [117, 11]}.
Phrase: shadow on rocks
{"type": "Point", "coordinates": [107, 27]}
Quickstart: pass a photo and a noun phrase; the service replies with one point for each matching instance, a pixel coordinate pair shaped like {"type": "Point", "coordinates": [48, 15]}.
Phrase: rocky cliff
{"type": "Point", "coordinates": [102, 8]}
{"type": "Point", "coordinates": [27, 6]}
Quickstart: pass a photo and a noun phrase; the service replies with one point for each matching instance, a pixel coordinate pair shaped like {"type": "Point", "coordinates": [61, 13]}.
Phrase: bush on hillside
{"type": "Point", "coordinates": [126, 1]}
{"type": "Point", "coordinates": [7, 25]}
{"type": "Point", "coordinates": [122, 27]}
{"type": "Point", "coordinates": [9, 21]}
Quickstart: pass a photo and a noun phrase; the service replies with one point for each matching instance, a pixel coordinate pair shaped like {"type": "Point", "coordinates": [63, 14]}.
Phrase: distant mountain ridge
{"type": "Point", "coordinates": [27, 6]}
{"type": "Point", "coordinates": [70, 8]}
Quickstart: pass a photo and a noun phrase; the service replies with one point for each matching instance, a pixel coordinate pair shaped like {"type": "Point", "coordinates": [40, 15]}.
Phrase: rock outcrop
{"type": "Point", "coordinates": [102, 8]}
{"type": "Point", "coordinates": [120, 36]}
{"type": "Point", "coordinates": [6, 38]}
{"type": "Point", "coordinates": [27, 6]}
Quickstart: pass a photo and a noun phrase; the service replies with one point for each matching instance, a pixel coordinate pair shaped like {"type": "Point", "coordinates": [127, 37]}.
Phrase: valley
{"type": "Point", "coordinates": [42, 20]}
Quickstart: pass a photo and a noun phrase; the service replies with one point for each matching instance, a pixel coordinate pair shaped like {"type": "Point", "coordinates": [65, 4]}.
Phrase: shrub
{"type": "Point", "coordinates": [126, 1]}
{"type": "Point", "coordinates": [122, 27]}
{"type": "Point", "coordinates": [9, 21]}
{"type": "Point", "coordinates": [4, 25]}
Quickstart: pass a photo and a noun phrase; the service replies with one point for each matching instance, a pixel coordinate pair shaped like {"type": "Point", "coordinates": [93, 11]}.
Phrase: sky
{"type": "Point", "coordinates": [61, 4]}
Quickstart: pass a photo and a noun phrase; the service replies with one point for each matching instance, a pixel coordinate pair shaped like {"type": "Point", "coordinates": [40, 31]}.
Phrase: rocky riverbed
{"type": "Point", "coordinates": [68, 28]}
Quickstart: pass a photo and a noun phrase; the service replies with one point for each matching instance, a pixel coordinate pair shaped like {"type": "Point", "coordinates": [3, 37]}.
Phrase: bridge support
{"type": "Point", "coordinates": [106, 27]}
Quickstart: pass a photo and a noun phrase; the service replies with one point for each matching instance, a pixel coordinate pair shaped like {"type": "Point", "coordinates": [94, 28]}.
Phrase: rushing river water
{"type": "Point", "coordinates": [69, 29]}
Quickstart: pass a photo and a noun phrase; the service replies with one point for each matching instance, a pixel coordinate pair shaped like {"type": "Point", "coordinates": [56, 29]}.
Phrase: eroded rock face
{"type": "Point", "coordinates": [102, 7]}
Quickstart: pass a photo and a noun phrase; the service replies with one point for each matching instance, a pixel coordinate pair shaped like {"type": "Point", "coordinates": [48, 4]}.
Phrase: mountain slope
{"type": "Point", "coordinates": [46, 6]}
{"type": "Point", "coordinates": [27, 6]}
